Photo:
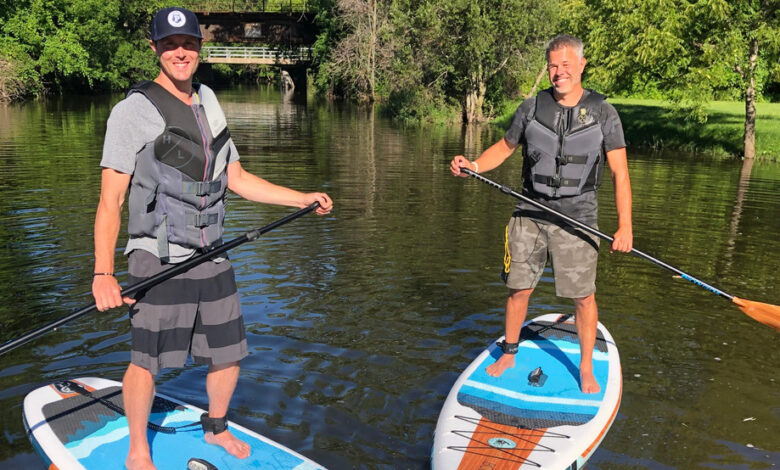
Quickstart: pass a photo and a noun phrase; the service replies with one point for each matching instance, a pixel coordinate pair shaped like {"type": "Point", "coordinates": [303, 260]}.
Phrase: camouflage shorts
{"type": "Point", "coordinates": [573, 255]}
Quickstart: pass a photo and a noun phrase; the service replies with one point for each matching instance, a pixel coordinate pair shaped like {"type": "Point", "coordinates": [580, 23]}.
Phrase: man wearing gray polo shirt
{"type": "Point", "coordinates": [567, 133]}
{"type": "Point", "coordinates": [168, 143]}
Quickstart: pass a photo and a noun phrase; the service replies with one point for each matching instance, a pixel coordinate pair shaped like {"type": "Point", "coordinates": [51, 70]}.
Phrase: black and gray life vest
{"type": "Point", "coordinates": [564, 151]}
{"type": "Point", "coordinates": [177, 192]}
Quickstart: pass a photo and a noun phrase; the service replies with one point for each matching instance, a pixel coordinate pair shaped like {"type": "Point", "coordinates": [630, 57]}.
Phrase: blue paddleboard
{"type": "Point", "coordinates": [79, 424]}
{"type": "Point", "coordinates": [534, 415]}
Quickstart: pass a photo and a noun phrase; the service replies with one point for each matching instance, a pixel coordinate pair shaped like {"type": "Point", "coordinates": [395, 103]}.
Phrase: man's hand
{"type": "Point", "coordinates": [326, 203]}
{"type": "Point", "coordinates": [460, 162]}
{"type": "Point", "coordinates": [623, 240]}
{"type": "Point", "coordinates": [105, 290]}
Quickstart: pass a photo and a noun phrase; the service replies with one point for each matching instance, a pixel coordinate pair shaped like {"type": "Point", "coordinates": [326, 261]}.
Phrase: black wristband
{"type": "Point", "coordinates": [102, 274]}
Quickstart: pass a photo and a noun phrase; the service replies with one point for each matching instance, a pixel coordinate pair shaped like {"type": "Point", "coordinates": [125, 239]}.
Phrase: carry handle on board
{"type": "Point", "coordinates": [767, 314]}
{"type": "Point", "coordinates": [158, 278]}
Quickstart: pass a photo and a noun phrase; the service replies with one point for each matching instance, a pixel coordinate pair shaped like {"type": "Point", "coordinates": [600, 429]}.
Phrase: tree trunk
{"type": "Point", "coordinates": [750, 103]}
{"type": "Point", "coordinates": [538, 80]}
{"type": "Point", "coordinates": [372, 53]}
{"type": "Point", "coordinates": [475, 98]}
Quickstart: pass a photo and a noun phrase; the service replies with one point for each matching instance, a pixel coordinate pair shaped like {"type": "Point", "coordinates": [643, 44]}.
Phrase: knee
{"type": "Point", "coordinates": [520, 294]}
{"type": "Point", "coordinates": [586, 302]}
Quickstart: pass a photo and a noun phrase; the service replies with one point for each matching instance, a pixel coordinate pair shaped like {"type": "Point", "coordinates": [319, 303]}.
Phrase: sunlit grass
{"type": "Point", "coordinates": [655, 125]}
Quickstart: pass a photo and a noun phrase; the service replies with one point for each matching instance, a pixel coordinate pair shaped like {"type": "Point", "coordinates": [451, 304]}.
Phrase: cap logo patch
{"type": "Point", "coordinates": [176, 19]}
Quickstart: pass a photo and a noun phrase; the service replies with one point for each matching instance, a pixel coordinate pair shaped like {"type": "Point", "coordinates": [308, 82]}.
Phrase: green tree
{"type": "Point", "coordinates": [687, 51]}
{"type": "Point", "coordinates": [477, 49]}
{"type": "Point", "coordinates": [76, 44]}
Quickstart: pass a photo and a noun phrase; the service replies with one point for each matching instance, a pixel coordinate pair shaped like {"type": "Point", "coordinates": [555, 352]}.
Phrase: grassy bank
{"type": "Point", "coordinates": [654, 125]}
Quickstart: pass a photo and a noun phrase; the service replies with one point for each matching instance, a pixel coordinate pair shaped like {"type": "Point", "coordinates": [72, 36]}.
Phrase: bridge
{"type": "Point", "coordinates": [255, 55]}
{"type": "Point", "coordinates": [289, 22]}
{"type": "Point", "coordinates": [245, 32]}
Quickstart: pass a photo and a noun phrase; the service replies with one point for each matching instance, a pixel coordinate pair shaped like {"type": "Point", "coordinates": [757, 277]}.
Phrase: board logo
{"type": "Point", "coordinates": [502, 443]}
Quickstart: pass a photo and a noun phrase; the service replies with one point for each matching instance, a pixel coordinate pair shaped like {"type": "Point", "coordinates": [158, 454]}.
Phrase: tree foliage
{"type": "Point", "coordinates": [687, 51]}
{"type": "Point", "coordinates": [53, 45]}
{"type": "Point", "coordinates": [470, 54]}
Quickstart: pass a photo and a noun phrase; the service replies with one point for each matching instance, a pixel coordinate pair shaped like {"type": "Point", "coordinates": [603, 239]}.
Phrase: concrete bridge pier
{"type": "Point", "coordinates": [204, 74]}
{"type": "Point", "coordinates": [294, 79]}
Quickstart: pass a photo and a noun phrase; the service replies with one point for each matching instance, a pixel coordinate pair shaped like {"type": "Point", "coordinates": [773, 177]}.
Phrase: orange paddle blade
{"type": "Point", "coordinates": [765, 313]}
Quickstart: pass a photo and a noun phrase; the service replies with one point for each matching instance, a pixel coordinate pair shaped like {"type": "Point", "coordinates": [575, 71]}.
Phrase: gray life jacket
{"type": "Point", "coordinates": [178, 188]}
{"type": "Point", "coordinates": [564, 153]}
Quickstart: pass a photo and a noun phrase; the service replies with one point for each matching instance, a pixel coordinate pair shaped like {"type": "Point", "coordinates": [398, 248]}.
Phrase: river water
{"type": "Point", "coordinates": [359, 322]}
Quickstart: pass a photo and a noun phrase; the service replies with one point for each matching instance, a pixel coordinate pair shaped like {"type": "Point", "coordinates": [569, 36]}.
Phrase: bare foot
{"type": "Point", "coordinates": [139, 462]}
{"type": "Point", "coordinates": [506, 361]}
{"type": "Point", "coordinates": [229, 442]}
{"type": "Point", "coordinates": [588, 382]}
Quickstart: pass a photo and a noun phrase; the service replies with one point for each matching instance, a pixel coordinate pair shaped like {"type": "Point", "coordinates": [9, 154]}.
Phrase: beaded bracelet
{"type": "Point", "coordinates": [102, 274]}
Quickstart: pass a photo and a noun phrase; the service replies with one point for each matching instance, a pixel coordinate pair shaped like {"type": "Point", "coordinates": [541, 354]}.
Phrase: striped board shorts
{"type": "Point", "coordinates": [196, 313]}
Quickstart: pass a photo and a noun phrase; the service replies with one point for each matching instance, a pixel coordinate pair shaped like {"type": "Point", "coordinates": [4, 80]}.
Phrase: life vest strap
{"type": "Point", "coordinates": [201, 188]}
{"type": "Point", "coordinates": [556, 182]}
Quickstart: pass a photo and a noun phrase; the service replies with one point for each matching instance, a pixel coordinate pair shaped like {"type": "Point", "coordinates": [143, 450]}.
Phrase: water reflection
{"type": "Point", "coordinates": [359, 322]}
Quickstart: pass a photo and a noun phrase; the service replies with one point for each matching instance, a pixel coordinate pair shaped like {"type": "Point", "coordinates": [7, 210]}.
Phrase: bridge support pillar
{"type": "Point", "coordinates": [294, 79]}
{"type": "Point", "coordinates": [205, 73]}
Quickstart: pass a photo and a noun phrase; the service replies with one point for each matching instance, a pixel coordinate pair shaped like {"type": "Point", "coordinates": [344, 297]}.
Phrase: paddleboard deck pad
{"type": "Point", "coordinates": [80, 424]}
{"type": "Point", "coordinates": [534, 415]}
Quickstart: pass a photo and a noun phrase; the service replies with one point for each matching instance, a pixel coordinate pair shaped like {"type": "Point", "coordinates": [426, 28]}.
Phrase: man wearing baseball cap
{"type": "Point", "coordinates": [168, 143]}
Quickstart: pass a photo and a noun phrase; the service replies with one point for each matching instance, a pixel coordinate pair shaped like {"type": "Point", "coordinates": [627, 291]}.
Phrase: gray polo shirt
{"type": "Point", "coordinates": [134, 123]}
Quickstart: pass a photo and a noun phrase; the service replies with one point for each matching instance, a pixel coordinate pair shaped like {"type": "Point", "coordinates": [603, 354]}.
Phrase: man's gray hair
{"type": "Point", "coordinates": [561, 41]}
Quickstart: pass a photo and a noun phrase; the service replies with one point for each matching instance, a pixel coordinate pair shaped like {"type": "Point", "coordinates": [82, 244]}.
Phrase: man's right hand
{"type": "Point", "coordinates": [460, 162]}
{"type": "Point", "coordinates": [106, 291]}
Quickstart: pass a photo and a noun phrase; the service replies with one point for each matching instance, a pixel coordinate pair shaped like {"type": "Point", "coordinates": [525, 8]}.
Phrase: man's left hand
{"type": "Point", "coordinates": [623, 240]}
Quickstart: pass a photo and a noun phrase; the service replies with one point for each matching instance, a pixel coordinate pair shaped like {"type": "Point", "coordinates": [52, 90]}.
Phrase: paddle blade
{"type": "Point", "coordinates": [765, 313]}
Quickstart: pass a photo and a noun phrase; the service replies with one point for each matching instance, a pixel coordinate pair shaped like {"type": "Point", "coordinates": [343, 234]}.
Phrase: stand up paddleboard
{"type": "Point", "coordinates": [80, 424]}
{"type": "Point", "coordinates": [534, 415]}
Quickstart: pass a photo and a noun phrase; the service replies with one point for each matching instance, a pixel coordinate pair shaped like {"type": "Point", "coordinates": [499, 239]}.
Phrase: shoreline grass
{"type": "Point", "coordinates": [655, 125]}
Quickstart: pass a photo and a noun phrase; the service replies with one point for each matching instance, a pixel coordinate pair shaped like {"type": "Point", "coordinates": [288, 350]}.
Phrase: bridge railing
{"type": "Point", "coordinates": [300, 54]}
{"type": "Point", "coordinates": [234, 6]}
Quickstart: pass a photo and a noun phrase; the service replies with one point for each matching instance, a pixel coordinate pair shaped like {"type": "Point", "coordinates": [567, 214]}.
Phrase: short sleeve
{"type": "Point", "coordinates": [514, 134]}
{"type": "Point", "coordinates": [233, 156]}
{"type": "Point", "coordinates": [612, 128]}
{"type": "Point", "coordinates": [132, 124]}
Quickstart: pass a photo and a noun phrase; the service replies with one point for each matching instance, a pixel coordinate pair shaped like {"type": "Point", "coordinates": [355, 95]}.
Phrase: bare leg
{"type": "Point", "coordinates": [138, 394]}
{"type": "Point", "coordinates": [586, 318]}
{"type": "Point", "coordinates": [516, 309]}
{"type": "Point", "coordinates": [220, 384]}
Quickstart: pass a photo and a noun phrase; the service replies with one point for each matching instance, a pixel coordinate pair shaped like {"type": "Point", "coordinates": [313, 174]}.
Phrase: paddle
{"type": "Point", "coordinates": [765, 313]}
{"type": "Point", "coordinates": [158, 278]}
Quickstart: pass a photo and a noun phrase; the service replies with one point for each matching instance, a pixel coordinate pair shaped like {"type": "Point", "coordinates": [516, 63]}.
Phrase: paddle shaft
{"type": "Point", "coordinates": [174, 270]}
{"type": "Point", "coordinates": [593, 231]}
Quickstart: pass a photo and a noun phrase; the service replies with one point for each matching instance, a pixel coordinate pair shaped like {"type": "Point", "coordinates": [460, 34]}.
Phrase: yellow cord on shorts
{"type": "Point", "coordinates": [507, 256]}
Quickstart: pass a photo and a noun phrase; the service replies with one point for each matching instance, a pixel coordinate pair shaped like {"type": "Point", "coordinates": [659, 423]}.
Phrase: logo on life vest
{"type": "Point", "coordinates": [583, 117]}
{"type": "Point", "coordinates": [176, 19]}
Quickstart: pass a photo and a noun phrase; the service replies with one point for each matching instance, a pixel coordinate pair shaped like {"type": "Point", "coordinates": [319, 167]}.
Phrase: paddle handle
{"type": "Point", "coordinates": [593, 231]}
{"type": "Point", "coordinates": [147, 283]}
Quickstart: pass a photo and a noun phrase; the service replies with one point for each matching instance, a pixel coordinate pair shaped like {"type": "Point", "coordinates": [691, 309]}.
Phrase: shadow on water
{"type": "Point", "coordinates": [359, 322]}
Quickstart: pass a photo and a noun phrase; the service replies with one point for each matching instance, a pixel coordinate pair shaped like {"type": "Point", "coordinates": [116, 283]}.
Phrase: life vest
{"type": "Point", "coordinates": [563, 160]}
{"type": "Point", "coordinates": [178, 188]}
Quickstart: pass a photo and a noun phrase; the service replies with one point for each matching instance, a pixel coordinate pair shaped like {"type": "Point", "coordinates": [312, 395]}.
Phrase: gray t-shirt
{"type": "Point", "coordinates": [134, 123]}
{"type": "Point", "coordinates": [583, 207]}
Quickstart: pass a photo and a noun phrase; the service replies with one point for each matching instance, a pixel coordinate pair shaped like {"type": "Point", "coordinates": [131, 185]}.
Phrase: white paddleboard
{"type": "Point", "coordinates": [74, 431]}
{"type": "Point", "coordinates": [515, 422]}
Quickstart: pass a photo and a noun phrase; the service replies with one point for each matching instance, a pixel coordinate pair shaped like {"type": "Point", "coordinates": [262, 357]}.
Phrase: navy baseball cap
{"type": "Point", "coordinates": [174, 20]}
